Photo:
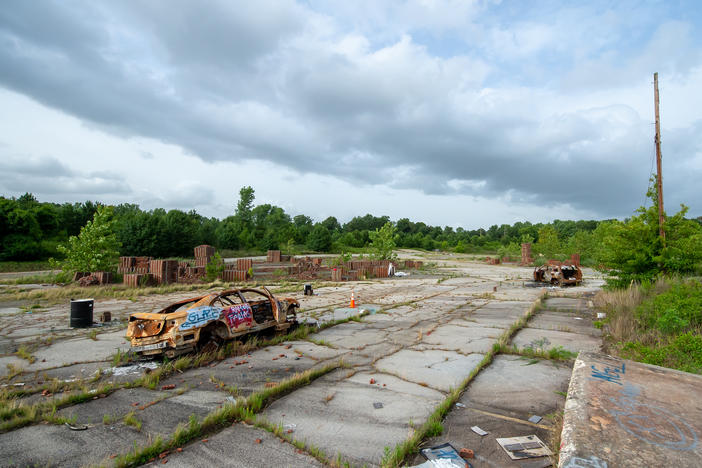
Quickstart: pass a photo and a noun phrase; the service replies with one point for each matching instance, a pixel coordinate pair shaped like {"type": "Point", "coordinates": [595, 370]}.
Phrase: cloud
{"type": "Point", "coordinates": [539, 105]}
{"type": "Point", "coordinates": [19, 174]}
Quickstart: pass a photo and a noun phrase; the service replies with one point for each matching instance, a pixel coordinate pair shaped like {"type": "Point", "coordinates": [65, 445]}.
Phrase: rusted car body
{"type": "Point", "coordinates": [559, 273]}
{"type": "Point", "coordinates": [204, 322]}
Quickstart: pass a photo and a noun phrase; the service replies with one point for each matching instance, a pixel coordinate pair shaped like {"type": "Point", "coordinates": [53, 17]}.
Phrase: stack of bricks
{"type": "Point", "coordinates": [413, 264]}
{"type": "Point", "coordinates": [273, 256]}
{"type": "Point", "coordinates": [243, 264]}
{"type": "Point", "coordinates": [134, 280]}
{"type": "Point", "coordinates": [203, 255]}
{"type": "Point", "coordinates": [238, 271]}
{"type": "Point", "coordinates": [233, 275]}
{"type": "Point", "coordinates": [575, 259]}
{"type": "Point", "coordinates": [103, 277]}
{"type": "Point", "coordinates": [492, 261]}
{"type": "Point", "coordinates": [164, 271]}
{"type": "Point", "coordinates": [526, 254]}
{"type": "Point", "coordinates": [139, 265]}
{"type": "Point", "coordinates": [337, 274]}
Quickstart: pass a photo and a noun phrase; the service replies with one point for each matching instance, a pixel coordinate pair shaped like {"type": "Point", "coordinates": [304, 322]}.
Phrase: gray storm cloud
{"type": "Point", "coordinates": [279, 82]}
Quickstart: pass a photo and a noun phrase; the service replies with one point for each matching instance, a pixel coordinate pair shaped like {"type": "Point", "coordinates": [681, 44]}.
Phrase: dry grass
{"type": "Point", "coordinates": [620, 306]}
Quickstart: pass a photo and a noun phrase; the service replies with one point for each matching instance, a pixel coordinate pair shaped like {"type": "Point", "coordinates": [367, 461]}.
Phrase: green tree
{"type": "Point", "coordinates": [96, 248]}
{"type": "Point", "coordinates": [383, 242]}
{"type": "Point", "coordinates": [245, 205]}
{"type": "Point", "coordinates": [632, 250]}
{"type": "Point", "coordinates": [320, 239]}
{"type": "Point", "coordinates": [548, 244]}
{"type": "Point", "coordinates": [215, 267]}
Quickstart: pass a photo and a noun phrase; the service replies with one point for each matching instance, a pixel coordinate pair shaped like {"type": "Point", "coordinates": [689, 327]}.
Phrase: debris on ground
{"type": "Point", "coordinates": [535, 419]}
{"type": "Point", "coordinates": [76, 427]}
{"type": "Point", "coordinates": [444, 453]}
{"type": "Point", "coordinates": [478, 431]}
{"type": "Point", "coordinates": [519, 448]}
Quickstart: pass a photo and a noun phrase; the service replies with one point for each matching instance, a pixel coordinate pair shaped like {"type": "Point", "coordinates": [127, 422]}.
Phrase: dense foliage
{"type": "Point", "coordinates": [96, 248]}
{"type": "Point", "coordinates": [666, 325]}
{"type": "Point", "coordinates": [31, 230]}
{"type": "Point", "coordinates": [632, 250]}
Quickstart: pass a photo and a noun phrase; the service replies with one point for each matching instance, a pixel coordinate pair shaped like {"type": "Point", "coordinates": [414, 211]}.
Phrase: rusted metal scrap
{"type": "Point", "coordinates": [205, 322]}
{"type": "Point", "coordinates": [559, 273]}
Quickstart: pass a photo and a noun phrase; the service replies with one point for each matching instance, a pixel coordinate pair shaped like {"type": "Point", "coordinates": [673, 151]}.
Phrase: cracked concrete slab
{"type": "Point", "coordinates": [237, 447]}
{"type": "Point", "coordinates": [114, 405]}
{"type": "Point", "coordinates": [437, 369]}
{"type": "Point", "coordinates": [52, 445]}
{"type": "Point", "coordinates": [465, 339]}
{"type": "Point", "coordinates": [547, 339]}
{"type": "Point", "coordinates": [340, 416]}
{"type": "Point", "coordinates": [520, 385]}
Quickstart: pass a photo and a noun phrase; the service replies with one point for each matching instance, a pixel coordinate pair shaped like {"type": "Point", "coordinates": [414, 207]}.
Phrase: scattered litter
{"type": "Point", "coordinates": [18, 384]}
{"type": "Point", "coordinates": [535, 419]}
{"type": "Point", "coordinates": [578, 318]}
{"type": "Point", "coordinates": [377, 405]}
{"type": "Point", "coordinates": [77, 427]}
{"type": "Point", "coordinates": [460, 405]}
{"type": "Point", "coordinates": [131, 369]}
{"type": "Point", "coordinates": [601, 315]}
{"type": "Point", "coordinates": [168, 387]}
{"type": "Point", "coordinates": [478, 431]}
{"type": "Point", "coordinates": [443, 463]}
{"type": "Point", "coordinates": [466, 453]}
{"type": "Point", "coordinates": [401, 273]}
{"type": "Point", "coordinates": [231, 399]}
{"type": "Point", "coordinates": [519, 448]}
{"type": "Point", "coordinates": [445, 453]}
{"type": "Point", "coordinates": [289, 428]}
{"type": "Point", "coordinates": [258, 441]}
{"type": "Point", "coordinates": [372, 381]}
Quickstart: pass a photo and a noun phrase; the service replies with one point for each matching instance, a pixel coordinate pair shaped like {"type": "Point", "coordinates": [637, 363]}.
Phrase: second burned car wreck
{"type": "Point", "coordinates": [204, 322]}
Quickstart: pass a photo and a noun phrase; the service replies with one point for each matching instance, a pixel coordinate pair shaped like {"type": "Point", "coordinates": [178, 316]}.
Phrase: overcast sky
{"type": "Point", "coordinates": [461, 113]}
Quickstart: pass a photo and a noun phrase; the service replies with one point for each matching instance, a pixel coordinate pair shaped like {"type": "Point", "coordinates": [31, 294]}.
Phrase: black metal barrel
{"type": "Point", "coordinates": [81, 313]}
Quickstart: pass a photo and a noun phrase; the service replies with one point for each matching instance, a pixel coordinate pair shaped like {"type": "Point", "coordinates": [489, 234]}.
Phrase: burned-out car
{"type": "Point", "coordinates": [204, 322]}
{"type": "Point", "coordinates": [559, 273]}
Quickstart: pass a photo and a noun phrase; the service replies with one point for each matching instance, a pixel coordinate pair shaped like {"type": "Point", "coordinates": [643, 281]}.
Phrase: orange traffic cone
{"type": "Point", "coordinates": [353, 302]}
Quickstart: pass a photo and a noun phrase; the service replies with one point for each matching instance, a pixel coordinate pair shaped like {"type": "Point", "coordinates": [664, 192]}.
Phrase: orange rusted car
{"type": "Point", "coordinates": [205, 322]}
{"type": "Point", "coordinates": [559, 273]}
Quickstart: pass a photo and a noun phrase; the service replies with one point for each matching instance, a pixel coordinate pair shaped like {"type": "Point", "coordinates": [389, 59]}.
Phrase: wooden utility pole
{"type": "Point", "coordinates": [659, 178]}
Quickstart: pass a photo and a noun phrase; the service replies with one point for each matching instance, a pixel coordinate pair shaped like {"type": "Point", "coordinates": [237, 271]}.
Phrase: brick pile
{"type": "Point", "coordinates": [133, 265]}
{"type": "Point", "coordinates": [135, 280]}
{"type": "Point", "coordinates": [273, 256]}
{"type": "Point", "coordinates": [102, 277]}
{"type": "Point", "coordinates": [526, 254]}
{"type": "Point", "coordinates": [164, 271]}
{"type": "Point", "coordinates": [203, 255]}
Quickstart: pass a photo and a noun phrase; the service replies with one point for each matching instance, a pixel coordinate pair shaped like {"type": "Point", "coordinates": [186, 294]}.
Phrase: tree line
{"type": "Point", "coordinates": [31, 230]}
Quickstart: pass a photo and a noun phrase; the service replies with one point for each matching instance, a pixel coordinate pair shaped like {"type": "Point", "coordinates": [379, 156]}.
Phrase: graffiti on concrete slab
{"type": "Point", "coordinates": [652, 424]}
{"type": "Point", "coordinates": [592, 462]}
{"type": "Point", "coordinates": [239, 314]}
{"type": "Point", "coordinates": [200, 316]}
{"type": "Point", "coordinates": [609, 374]}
